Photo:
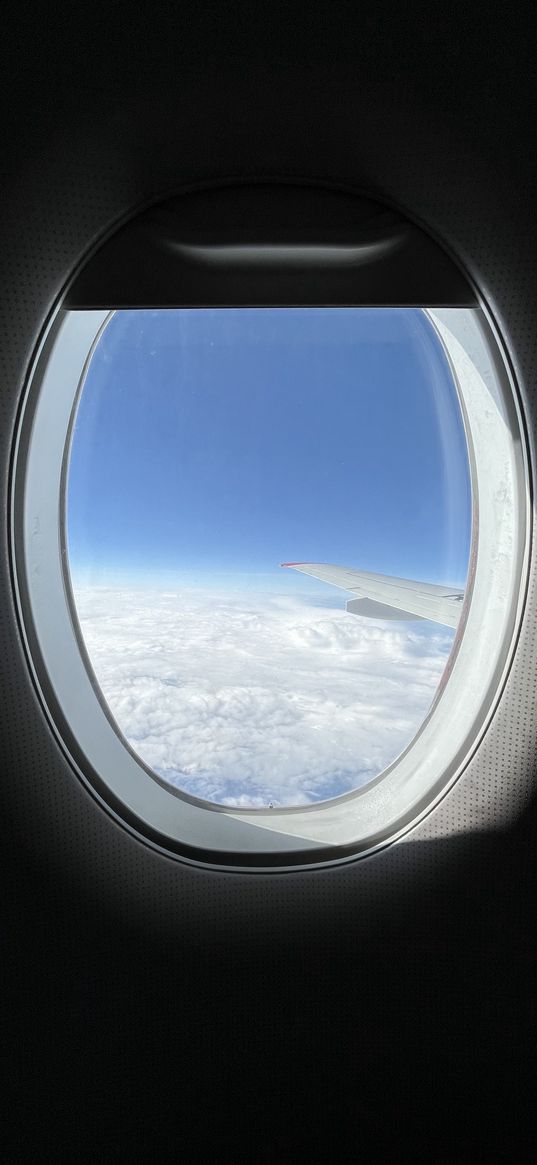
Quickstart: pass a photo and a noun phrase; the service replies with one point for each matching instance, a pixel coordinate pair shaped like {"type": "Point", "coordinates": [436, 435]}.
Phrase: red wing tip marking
{"type": "Point", "coordinates": [293, 564]}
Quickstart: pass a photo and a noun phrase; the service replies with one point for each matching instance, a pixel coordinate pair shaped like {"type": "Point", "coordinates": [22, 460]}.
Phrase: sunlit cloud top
{"type": "Point", "coordinates": [272, 701]}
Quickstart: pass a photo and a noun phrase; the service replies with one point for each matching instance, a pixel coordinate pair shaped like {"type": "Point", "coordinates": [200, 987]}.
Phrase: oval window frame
{"type": "Point", "coordinates": [351, 825]}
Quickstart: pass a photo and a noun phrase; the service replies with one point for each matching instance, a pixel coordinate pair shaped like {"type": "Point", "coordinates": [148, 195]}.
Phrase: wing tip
{"type": "Point", "coordinates": [293, 564]}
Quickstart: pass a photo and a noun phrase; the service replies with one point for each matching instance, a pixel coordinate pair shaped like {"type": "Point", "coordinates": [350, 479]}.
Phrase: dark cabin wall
{"type": "Point", "coordinates": [386, 1008]}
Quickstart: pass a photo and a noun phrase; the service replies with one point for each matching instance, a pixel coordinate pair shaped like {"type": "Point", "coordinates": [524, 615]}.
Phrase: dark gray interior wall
{"type": "Point", "coordinates": [384, 1007]}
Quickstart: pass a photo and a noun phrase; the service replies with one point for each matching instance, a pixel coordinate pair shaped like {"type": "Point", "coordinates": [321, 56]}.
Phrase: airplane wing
{"type": "Point", "coordinates": [379, 596]}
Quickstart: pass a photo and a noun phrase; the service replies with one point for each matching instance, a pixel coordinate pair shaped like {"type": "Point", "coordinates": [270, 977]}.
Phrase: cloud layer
{"type": "Point", "coordinates": [252, 700]}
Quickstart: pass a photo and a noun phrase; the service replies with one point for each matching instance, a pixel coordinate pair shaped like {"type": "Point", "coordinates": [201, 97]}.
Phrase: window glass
{"type": "Point", "coordinates": [210, 446]}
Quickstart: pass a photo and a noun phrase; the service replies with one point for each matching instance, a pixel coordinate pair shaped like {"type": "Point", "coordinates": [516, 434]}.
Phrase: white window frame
{"type": "Point", "coordinates": [355, 823]}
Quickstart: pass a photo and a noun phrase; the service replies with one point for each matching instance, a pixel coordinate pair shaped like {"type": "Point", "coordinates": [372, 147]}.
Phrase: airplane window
{"type": "Point", "coordinates": [212, 447]}
{"type": "Point", "coordinates": [269, 556]}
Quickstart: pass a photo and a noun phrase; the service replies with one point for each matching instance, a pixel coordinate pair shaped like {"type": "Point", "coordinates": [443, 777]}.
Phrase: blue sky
{"type": "Point", "coordinates": [212, 445]}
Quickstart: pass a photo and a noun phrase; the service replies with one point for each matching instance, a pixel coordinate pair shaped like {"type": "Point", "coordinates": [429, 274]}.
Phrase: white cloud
{"type": "Point", "coordinates": [249, 700]}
